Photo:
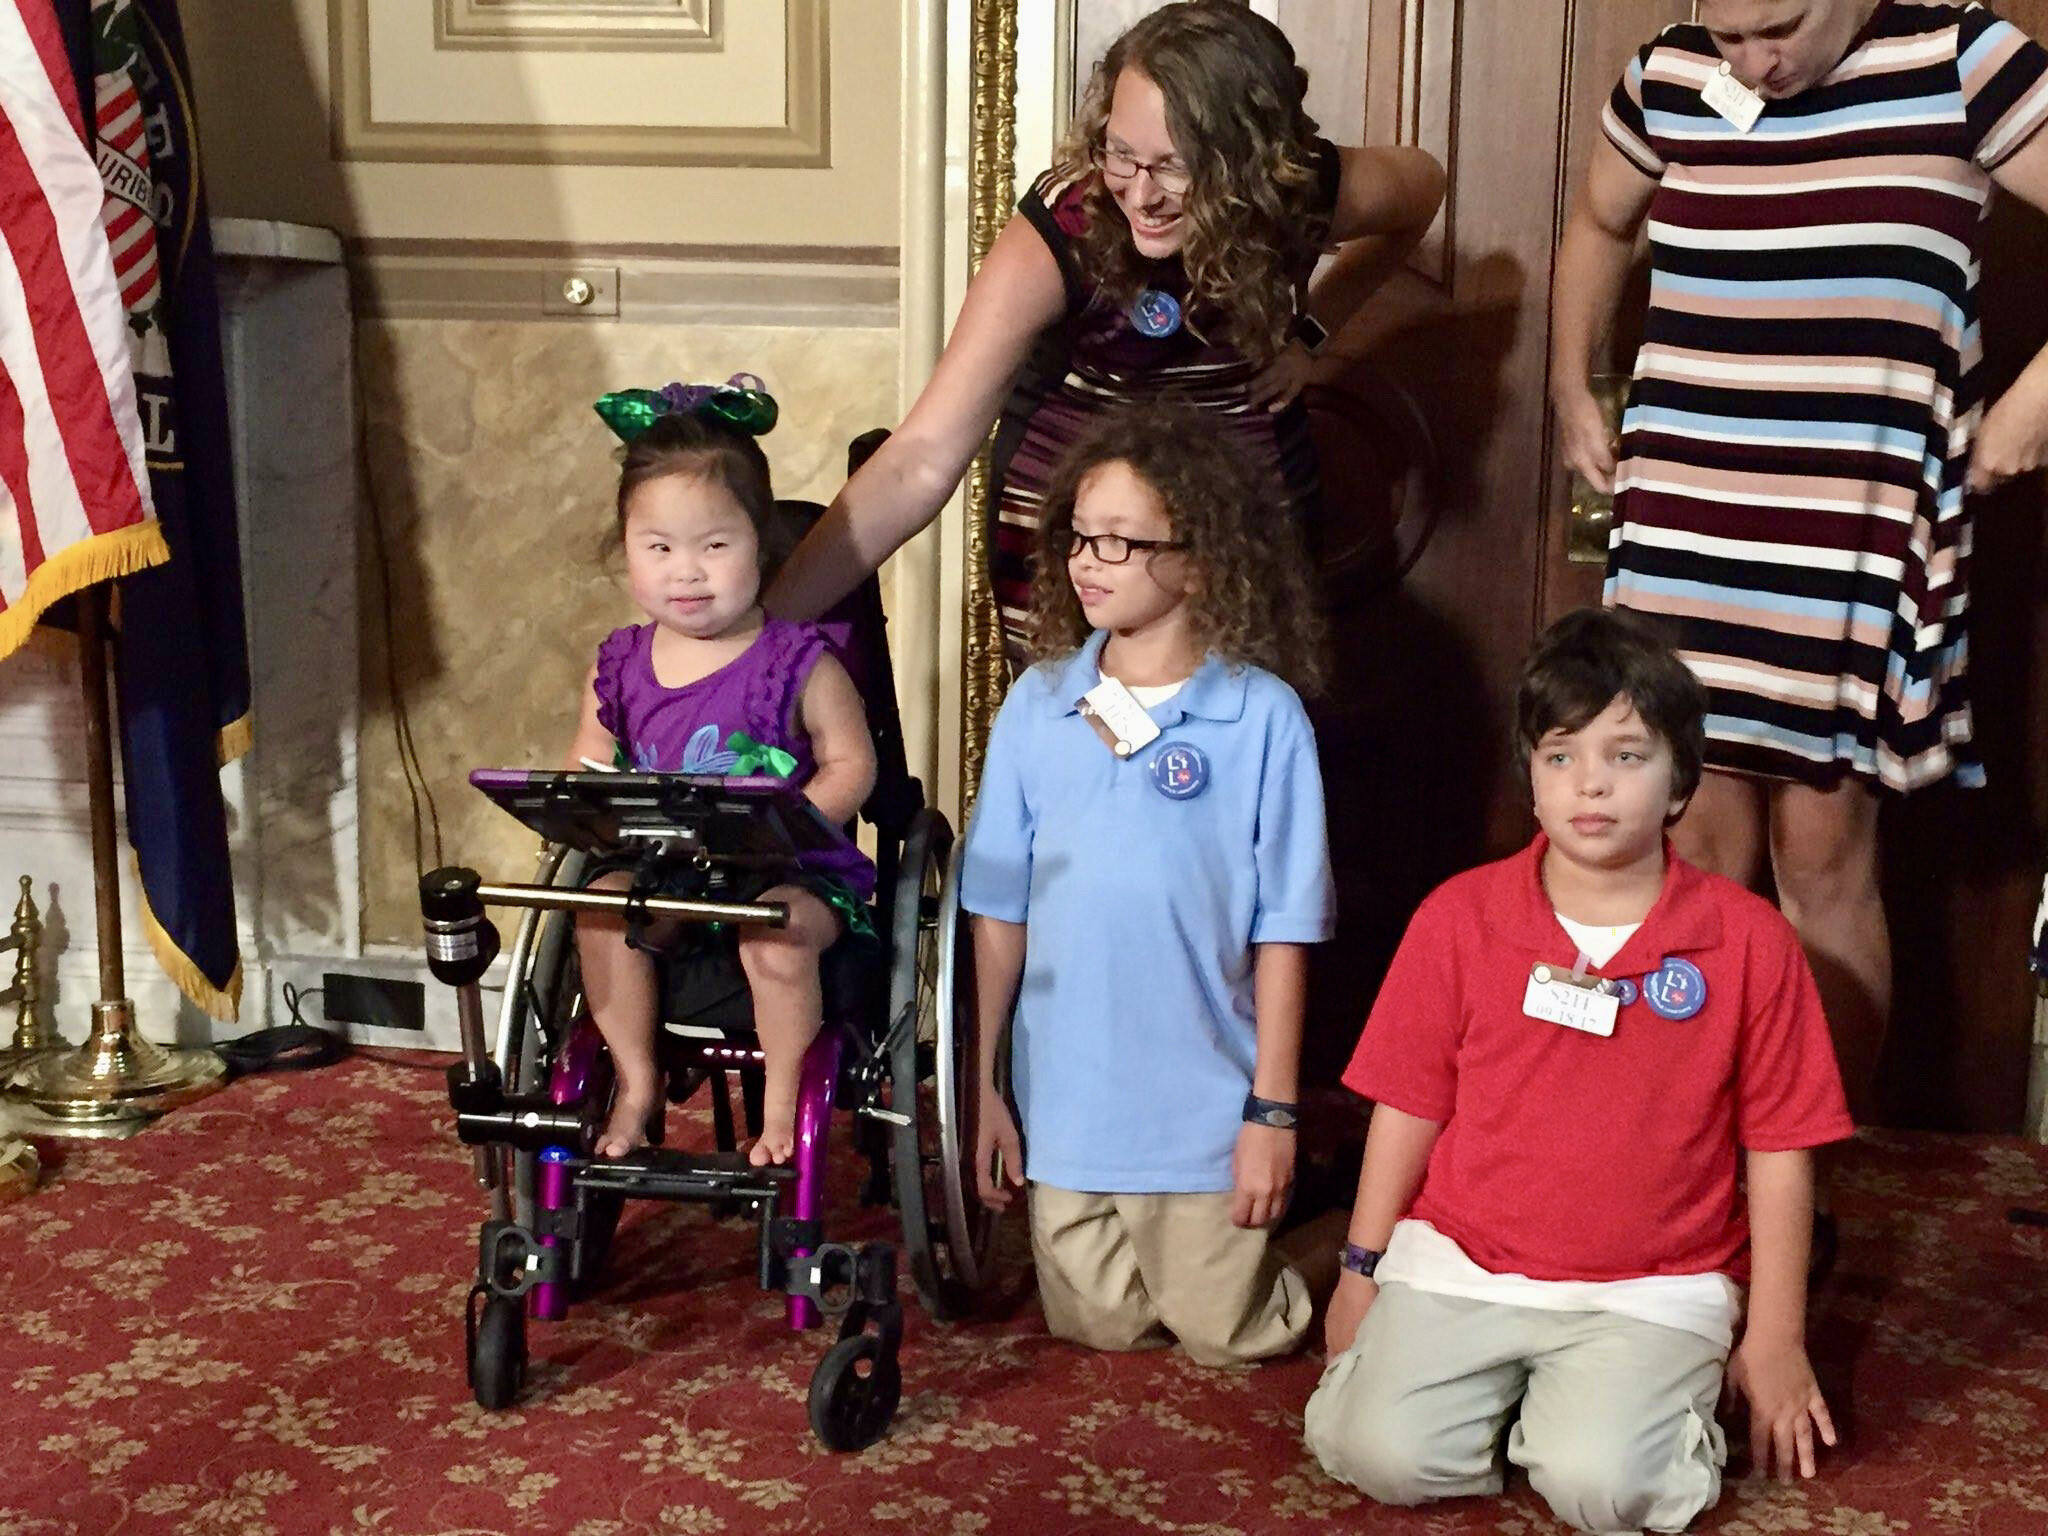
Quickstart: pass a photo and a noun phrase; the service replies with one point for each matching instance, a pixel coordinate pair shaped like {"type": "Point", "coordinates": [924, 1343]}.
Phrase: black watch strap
{"type": "Point", "coordinates": [1275, 1113]}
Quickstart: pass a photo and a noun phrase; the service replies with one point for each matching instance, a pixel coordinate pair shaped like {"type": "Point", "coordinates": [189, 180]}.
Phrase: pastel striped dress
{"type": "Point", "coordinates": [1095, 360]}
{"type": "Point", "coordinates": [1789, 501]}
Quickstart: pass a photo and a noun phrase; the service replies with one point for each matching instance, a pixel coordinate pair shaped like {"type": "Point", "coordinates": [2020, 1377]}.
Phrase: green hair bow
{"type": "Point", "coordinates": [741, 401]}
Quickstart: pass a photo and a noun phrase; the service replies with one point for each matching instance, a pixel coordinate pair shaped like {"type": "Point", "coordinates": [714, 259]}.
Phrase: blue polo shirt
{"type": "Point", "coordinates": [1143, 883]}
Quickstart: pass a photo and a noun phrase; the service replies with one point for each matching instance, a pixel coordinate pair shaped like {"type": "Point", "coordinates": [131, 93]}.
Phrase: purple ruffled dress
{"type": "Point", "coordinates": [718, 724]}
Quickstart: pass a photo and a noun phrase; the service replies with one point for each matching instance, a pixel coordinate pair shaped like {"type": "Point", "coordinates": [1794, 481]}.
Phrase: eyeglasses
{"type": "Point", "coordinates": [1173, 180]}
{"type": "Point", "coordinates": [1114, 548]}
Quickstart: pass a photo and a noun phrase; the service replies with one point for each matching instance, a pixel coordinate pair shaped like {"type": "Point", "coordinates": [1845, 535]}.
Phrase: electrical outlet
{"type": "Point", "coordinates": [384, 1002]}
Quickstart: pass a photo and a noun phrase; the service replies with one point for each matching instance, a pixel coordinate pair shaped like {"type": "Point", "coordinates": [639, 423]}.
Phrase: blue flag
{"type": "Point", "coordinates": [180, 653]}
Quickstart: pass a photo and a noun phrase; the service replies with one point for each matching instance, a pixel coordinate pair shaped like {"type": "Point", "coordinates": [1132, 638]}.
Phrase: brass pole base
{"type": "Point", "coordinates": [19, 1170]}
{"type": "Point", "coordinates": [115, 1075]}
{"type": "Point", "coordinates": [14, 1057]}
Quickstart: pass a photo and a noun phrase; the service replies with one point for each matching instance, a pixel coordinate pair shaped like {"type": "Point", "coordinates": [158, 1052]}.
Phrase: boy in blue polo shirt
{"type": "Point", "coordinates": [1146, 866]}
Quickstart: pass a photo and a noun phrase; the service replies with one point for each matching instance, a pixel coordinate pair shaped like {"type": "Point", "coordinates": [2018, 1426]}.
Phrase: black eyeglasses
{"type": "Point", "coordinates": [1173, 180]}
{"type": "Point", "coordinates": [1114, 548]}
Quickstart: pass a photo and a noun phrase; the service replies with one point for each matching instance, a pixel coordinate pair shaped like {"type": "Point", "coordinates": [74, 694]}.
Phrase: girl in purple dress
{"type": "Point", "coordinates": [709, 684]}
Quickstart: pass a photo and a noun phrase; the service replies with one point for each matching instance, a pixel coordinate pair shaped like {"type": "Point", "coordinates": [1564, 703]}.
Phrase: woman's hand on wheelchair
{"type": "Point", "coordinates": [998, 1151]}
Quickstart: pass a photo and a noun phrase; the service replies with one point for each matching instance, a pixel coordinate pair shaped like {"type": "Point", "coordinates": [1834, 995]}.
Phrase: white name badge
{"type": "Point", "coordinates": [1732, 99]}
{"type": "Point", "coordinates": [1116, 707]}
{"type": "Point", "coordinates": [1555, 998]}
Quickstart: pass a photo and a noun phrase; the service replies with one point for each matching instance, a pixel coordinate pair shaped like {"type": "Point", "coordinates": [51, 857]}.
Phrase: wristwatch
{"type": "Point", "coordinates": [1310, 332]}
{"type": "Point", "coordinates": [1360, 1261]}
{"type": "Point", "coordinates": [1271, 1112]}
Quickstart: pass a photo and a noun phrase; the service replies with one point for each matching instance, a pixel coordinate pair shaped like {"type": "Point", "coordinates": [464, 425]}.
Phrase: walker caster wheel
{"type": "Point", "coordinates": [854, 1393]}
{"type": "Point", "coordinates": [497, 1350]}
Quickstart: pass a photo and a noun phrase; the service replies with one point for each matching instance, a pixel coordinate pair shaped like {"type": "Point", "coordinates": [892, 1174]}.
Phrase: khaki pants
{"type": "Point", "coordinates": [1617, 1426]}
{"type": "Point", "coordinates": [1137, 1271]}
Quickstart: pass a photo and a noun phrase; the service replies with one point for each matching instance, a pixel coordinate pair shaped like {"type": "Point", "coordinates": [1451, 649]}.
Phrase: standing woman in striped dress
{"type": "Point", "coordinates": [1167, 253]}
{"type": "Point", "coordinates": [1807, 417]}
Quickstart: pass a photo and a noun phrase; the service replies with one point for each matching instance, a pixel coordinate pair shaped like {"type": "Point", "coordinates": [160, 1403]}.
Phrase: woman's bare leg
{"type": "Point", "coordinates": [1725, 827]}
{"type": "Point", "coordinates": [1824, 854]}
{"type": "Point", "coordinates": [789, 1007]}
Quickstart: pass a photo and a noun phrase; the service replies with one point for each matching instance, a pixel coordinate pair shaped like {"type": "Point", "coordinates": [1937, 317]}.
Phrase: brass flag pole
{"type": "Point", "coordinates": [116, 1078]}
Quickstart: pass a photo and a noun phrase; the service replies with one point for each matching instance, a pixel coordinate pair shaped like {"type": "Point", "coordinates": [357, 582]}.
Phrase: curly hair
{"type": "Point", "coordinates": [700, 445]}
{"type": "Point", "coordinates": [1234, 107]}
{"type": "Point", "coordinates": [1254, 604]}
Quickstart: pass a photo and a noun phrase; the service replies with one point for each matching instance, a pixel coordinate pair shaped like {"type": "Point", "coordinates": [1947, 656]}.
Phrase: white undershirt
{"type": "Point", "coordinates": [1155, 695]}
{"type": "Point", "coordinates": [1705, 1305]}
{"type": "Point", "coordinates": [1598, 943]}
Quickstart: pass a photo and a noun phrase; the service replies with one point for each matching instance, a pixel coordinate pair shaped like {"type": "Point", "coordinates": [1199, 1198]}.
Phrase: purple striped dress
{"type": "Point", "coordinates": [1789, 503]}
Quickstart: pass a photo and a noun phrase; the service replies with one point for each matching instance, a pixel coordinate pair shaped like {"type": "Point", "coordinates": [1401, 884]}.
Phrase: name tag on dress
{"type": "Point", "coordinates": [1119, 719]}
{"type": "Point", "coordinates": [1732, 99]}
{"type": "Point", "coordinates": [1554, 997]}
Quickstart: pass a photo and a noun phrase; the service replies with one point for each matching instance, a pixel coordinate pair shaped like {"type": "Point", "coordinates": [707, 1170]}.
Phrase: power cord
{"type": "Point", "coordinates": [294, 1047]}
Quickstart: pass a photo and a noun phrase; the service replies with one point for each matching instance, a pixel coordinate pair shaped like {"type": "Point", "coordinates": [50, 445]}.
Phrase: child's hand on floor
{"type": "Point", "coordinates": [995, 1135]}
{"type": "Point", "coordinates": [1262, 1173]}
{"type": "Point", "coordinates": [1785, 1405]}
{"type": "Point", "coordinates": [1349, 1303]}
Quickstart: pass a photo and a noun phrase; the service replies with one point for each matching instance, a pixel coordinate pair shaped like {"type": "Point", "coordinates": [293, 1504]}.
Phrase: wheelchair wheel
{"type": "Point", "coordinates": [497, 1350]}
{"type": "Point", "coordinates": [854, 1393]}
{"type": "Point", "coordinates": [543, 992]}
{"type": "Point", "coordinates": [947, 1235]}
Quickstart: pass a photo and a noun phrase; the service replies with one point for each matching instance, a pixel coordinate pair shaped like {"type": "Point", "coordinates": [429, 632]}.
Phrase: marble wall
{"type": "Point", "coordinates": [492, 483]}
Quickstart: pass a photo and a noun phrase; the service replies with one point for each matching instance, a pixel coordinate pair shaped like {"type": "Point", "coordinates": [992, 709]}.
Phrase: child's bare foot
{"type": "Point", "coordinates": [626, 1131]}
{"type": "Point", "coordinates": [777, 1141]}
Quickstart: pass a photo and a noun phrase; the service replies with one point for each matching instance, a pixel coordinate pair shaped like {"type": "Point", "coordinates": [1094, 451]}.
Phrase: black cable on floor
{"type": "Point", "coordinates": [294, 1047]}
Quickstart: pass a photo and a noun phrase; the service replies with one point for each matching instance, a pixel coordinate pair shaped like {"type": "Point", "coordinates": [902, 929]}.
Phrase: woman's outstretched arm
{"type": "Point", "coordinates": [1015, 296]}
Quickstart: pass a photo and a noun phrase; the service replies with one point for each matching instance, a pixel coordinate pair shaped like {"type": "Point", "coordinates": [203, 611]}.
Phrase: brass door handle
{"type": "Point", "coordinates": [1590, 519]}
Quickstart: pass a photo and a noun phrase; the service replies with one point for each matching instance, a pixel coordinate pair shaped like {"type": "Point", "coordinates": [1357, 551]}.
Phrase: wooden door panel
{"type": "Point", "coordinates": [1413, 737]}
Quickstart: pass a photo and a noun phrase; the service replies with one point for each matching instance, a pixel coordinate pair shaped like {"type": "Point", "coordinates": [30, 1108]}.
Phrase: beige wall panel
{"type": "Point", "coordinates": [493, 483]}
{"type": "Point", "coordinates": [262, 78]}
{"type": "Point", "coordinates": [737, 83]}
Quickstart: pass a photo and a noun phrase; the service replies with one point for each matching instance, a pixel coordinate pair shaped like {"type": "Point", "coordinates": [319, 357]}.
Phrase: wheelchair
{"type": "Point", "coordinates": [896, 1052]}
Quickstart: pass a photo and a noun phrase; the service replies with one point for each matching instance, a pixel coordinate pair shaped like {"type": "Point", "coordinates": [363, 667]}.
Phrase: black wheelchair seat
{"type": "Point", "coordinates": [704, 992]}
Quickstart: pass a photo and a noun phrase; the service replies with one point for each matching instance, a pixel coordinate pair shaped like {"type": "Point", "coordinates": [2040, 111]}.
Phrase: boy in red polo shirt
{"type": "Point", "coordinates": [1579, 1057]}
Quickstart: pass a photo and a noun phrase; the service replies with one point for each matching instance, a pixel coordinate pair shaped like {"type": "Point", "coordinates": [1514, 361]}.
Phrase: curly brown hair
{"type": "Point", "coordinates": [1254, 604]}
{"type": "Point", "coordinates": [1255, 220]}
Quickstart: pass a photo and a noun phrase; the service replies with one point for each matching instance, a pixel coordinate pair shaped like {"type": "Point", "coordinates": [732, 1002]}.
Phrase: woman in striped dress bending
{"type": "Point", "coordinates": [1167, 253]}
{"type": "Point", "coordinates": [1807, 417]}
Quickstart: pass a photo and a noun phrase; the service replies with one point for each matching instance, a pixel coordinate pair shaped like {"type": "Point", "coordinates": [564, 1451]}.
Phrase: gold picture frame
{"type": "Point", "coordinates": [991, 193]}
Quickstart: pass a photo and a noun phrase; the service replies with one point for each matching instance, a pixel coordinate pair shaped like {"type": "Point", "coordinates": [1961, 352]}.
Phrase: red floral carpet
{"type": "Point", "coordinates": [247, 1321]}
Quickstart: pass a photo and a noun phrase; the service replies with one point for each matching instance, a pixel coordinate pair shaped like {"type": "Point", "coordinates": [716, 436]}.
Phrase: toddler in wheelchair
{"type": "Point", "coordinates": [1146, 869]}
{"type": "Point", "coordinates": [711, 685]}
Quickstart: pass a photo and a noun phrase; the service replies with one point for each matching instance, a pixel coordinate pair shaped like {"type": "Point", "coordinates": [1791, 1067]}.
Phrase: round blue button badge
{"type": "Point", "coordinates": [1625, 991]}
{"type": "Point", "coordinates": [1155, 314]}
{"type": "Point", "coordinates": [1180, 772]}
{"type": "Point", "coordinates": [1676, 989]}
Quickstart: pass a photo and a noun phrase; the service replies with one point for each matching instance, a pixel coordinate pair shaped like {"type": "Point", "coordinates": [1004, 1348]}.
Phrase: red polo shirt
{"type": "Point", "coordinates": [1568, 1156]}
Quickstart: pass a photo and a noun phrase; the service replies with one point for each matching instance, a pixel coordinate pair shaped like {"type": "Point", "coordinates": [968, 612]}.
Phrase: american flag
{"type": "Point", "coordinates": [75, 502]}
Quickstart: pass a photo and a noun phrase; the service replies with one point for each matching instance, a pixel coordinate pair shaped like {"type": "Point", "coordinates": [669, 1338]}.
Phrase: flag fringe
{"type": "Point", "coordinates": [103, 557]}
{"type": "Point", "coordinates": [235, 738]}
{"type": "Point", "coordinates": [221, 1003]}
